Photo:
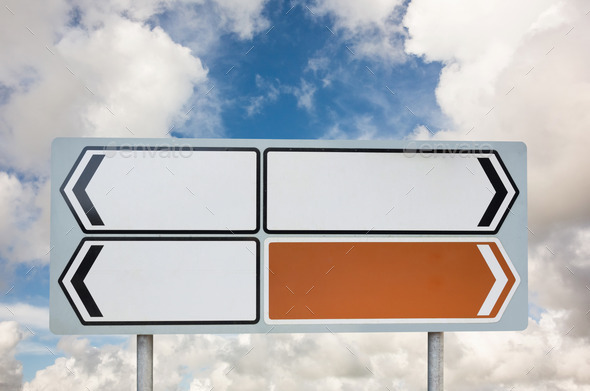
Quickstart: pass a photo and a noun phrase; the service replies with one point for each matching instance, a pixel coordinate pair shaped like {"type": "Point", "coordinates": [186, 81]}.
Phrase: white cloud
{"type": "Point", "coordinates": [320, 66]}
{"type": "Point", "coordinates": [86, 367]}
{"type": "Point", "coordinates": [271, 90]}
{"type": "Point", "coordinates": [355, 128]}
{"type": "Point", "coordinates": [355, 16]}
{"type": "Point", "coordinates": [243, 17]}
{"type": "Point", "coordinates": [469, 31]}
{"type": "Point", "coordinates": [304, 95]}
{"type": "Point", "coordinates": [559, 274]}
{"type": "Point", "coordinates": [270, 93]}
{"type": "Point", "coordinates": [521, 74]}
{"type": "Point", "coordinates": [109, 75]}
{"type": "Point", "coordinates": [140, 78]}
{"type": "Point", "coordinates": [11, 370]}
{"type": "Point", "coordinates": [24, 220]}
{"type": "Point", "coordinates": [486, 49]}
{"type": "Point", "coordinates": [517, 74]}
{"type": "Point", "coordinates": [372, 27]}
{"type": "Point", "coordinates": [543, 357]}
{"type": "Point", "coordinates": [35, 318]}
{"type": "Point", "coordinates": [255, 105]}
{"type": "Point", "coordinates": [92, 14]}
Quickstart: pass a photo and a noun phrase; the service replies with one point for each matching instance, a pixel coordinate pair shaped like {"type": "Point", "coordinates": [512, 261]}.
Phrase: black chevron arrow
{"type": "Point", "coordinates": [79, 190]}
{"type": "Point", "coordinates": [499, 196]}
{"type": "Point", "coordinates": [80, 286]}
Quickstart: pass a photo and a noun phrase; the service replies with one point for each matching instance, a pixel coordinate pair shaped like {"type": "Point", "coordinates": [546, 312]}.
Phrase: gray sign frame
{"type": "Point", "coordinates": [67, 234]}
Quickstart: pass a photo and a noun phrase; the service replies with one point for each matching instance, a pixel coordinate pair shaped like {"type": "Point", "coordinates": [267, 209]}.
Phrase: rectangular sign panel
{"type": "Point", "coordinates": [385, 191]}
{"type": "Point", "coordinates": [153, 236]}
{"type": "Point", "coordinates": [387, 281]}
{"type": "Point", "coordinates": [219, 278]}
{"type": "Point", "coordinates": [126, 189]}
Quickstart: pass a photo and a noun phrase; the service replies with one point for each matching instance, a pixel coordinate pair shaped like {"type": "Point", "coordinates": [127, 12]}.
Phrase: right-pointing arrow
{"type": "Point", "coordinates": [499, 196]}
{"type": "Point", "coordinates": [499, 275]}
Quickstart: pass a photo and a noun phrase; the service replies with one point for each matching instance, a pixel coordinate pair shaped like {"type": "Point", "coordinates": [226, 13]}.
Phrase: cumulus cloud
{"type": "Point", "coordinates": [543, 357]}
{"type": "Point", "coordinates": [372, 27]}
{"type": "Point", "coordinates": [246, 362]}
{"type": "Point", "coordinates": [521, 74]}
{"type": "Point", "coordinates": [85, 367]}
{"type": "Point", "coordinates": [511, 71]}
{"type": "Point", "coordinates": [121, 78]}
{"type": "Point", "coordinates": [26, 315]}
{"type": "Point", "coordinates": [141, 84]}
{"type": "Point", "coordinates": [84, 69]}
{"type": "Point", "coordinates": [24, 220]}
{"type": "Point", "coordinates": [11, 370]}
{"type": "Point", "coordinates": [525, 81]}
{"type": "Point", "coordinates": [559, 275]}
{"type": "Point", "coordinates": [243, 17]}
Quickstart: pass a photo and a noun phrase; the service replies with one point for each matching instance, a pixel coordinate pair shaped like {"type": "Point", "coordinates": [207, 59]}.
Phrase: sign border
{"type": "Point", "coordinates": [154, 150]}
{"type": "Point", "coordinates": [385, 150]}
{"type": "Point", "coordinates": [162, 239]}
{"type": "Point", "coordinates": [388, 321]}
{"type": "Point", "coordinates": [66, 232]}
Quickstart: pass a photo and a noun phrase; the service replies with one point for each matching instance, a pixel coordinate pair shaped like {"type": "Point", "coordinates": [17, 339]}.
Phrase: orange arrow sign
{"type": "Point", "coordinates": [387, 281]}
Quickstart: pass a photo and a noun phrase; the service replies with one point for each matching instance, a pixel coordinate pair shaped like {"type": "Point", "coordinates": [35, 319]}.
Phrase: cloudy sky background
{"type": "Point", "coordinates": [382, 69]}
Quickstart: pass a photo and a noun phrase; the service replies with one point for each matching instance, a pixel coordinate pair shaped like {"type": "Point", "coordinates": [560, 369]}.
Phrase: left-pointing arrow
{"type": "Point", "coordinates": [163, 281]}
{"type": "Point", "coordinates": [80, 286]}
{"type": "Point", "coordinates": [79, 190]}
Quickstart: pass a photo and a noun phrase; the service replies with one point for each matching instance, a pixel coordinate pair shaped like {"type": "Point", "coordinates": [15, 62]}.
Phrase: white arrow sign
{"type": "Point", "coordinates": [127, 281]}
{"type": "Point", "coordinates": [177, 189]}
{"type": "Point", "coordinates": [385, 191]}
{"type": "Point", "coordinates": [157, 236]}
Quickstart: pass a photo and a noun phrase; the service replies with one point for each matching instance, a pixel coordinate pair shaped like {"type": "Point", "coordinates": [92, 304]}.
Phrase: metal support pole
{"type": "Point", "coordinates": [145, 363]}
{"type": "Point", "coordinates": [436, 344]}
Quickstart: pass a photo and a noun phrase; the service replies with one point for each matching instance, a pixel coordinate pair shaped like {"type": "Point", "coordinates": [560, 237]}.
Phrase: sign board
{"type": "Point", "coordinates": [213, 190]}
{"type": "Point", "coordinates": [154, 236]}
{"type": "Point", "coordinates": [374, 281]}
{"type": "Point", "coordinates": [101, 288]}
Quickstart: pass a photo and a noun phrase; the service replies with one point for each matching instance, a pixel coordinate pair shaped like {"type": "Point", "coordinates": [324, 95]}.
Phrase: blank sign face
{"type": "Point", "coordinates": [384, 191]}
{"type": "Point", "coordinates": [147, 281]}
{"type": "Point", "coordinates": [182, 190]}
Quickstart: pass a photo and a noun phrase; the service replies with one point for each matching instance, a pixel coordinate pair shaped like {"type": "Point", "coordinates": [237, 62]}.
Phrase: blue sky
{"type": "Point", "coordinates": [298, 78]}
{"type": "Point", "coordinates": [321, 69]}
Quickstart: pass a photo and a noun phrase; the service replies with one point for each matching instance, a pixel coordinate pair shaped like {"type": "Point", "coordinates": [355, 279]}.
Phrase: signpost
{"type": "Point", "coordinates": [153, 236]}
